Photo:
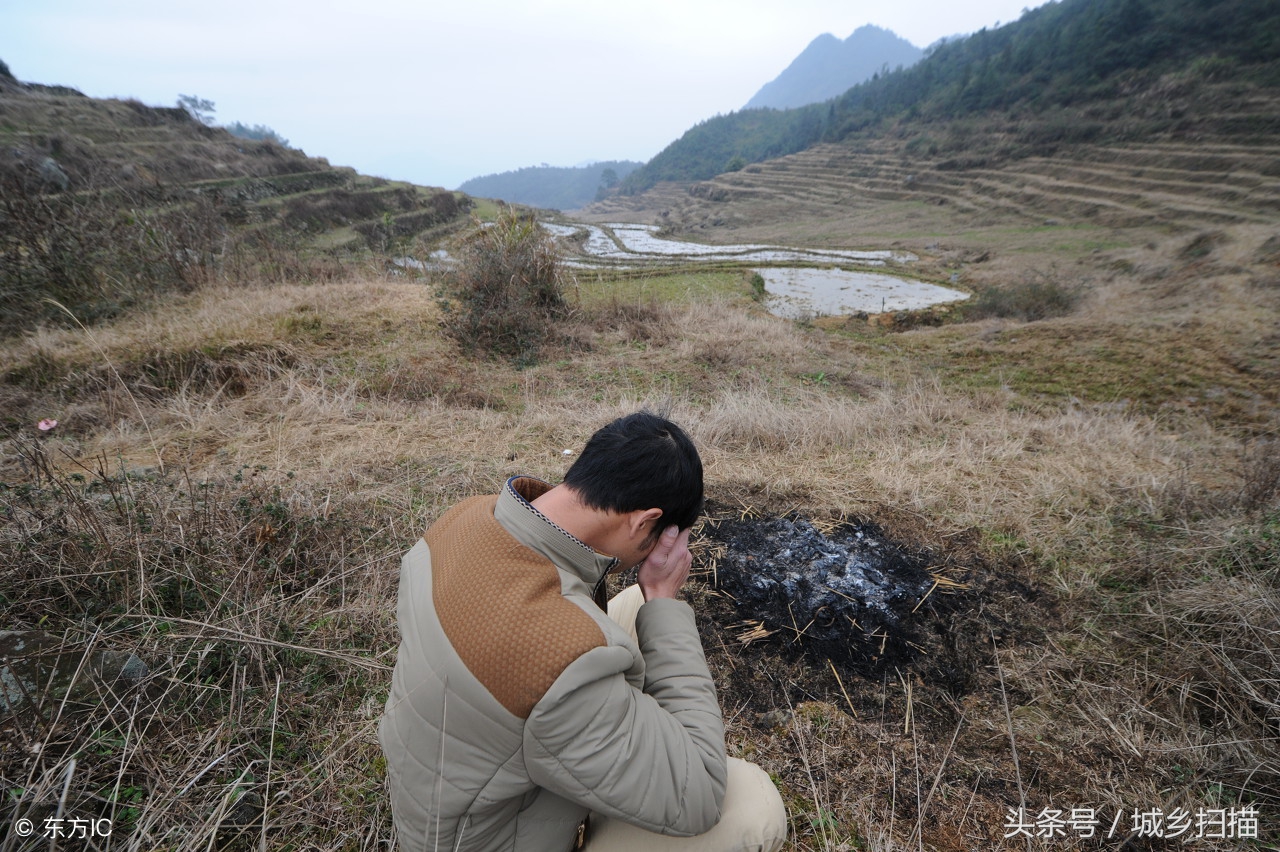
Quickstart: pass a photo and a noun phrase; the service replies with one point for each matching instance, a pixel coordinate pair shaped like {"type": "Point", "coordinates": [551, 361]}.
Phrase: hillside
{"type": "Point", "coordinates": [1210, 182]}
{"type": "Point", "coordinates": [1085, 459]}
{"type": "Point", "coordinates": [104, 202]}
{"type": "Point", "coordinates": [1043, 73]}
{"type": "Point", "coordinates": [551, 187]}
{"type": "Point", "coordinates": [830, 66]}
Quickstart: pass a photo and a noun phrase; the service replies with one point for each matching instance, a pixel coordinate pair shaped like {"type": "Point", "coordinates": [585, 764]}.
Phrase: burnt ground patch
{"type": "Point", "coordinates": [802, 608]}
{"type": "Point", "coordinates": [844, 725]}
{"type": "Point", "coordinates": [844, 590]}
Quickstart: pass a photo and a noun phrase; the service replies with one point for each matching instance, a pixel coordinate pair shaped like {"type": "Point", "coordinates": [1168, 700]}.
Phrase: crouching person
{"type": "Point", "coordinates": [523, 715]}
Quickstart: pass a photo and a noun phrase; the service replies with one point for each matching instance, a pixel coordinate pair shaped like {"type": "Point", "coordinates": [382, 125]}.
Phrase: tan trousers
{"type": "Point", "coordinates": [753, 818]}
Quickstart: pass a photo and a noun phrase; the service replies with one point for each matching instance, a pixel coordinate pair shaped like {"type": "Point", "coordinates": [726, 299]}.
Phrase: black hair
{"type": "Point", "coordinates": [641, 461]}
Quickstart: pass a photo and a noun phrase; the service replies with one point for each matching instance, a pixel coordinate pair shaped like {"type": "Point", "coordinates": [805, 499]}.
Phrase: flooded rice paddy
{"type": "Point", "coordinates": [821, 286]}
{"type": "Point", "coordinates": [800, 292]}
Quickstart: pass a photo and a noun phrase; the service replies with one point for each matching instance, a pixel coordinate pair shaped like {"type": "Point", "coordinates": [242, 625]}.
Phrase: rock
{"type": "Point", "coordinates": [246, 811]}
{"type": "Point", "coordinates": [774, 719]}
{"type": "Point", "coordinates": [116, 666]}
{"type": "Point", "coordinates": [40, 671]}
{"type": "Point", "coordinates": [53, 176]}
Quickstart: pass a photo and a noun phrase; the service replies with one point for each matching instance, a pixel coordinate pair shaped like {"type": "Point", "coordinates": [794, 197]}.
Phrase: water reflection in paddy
{"type": "Point", "coordinates": [797, 293]}
{"type": "Point", "coordinates": [642, 244]}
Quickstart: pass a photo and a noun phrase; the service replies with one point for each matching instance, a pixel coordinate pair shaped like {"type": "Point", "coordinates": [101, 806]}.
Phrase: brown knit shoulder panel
{"type": "Point", "coordinates": [501, 607]}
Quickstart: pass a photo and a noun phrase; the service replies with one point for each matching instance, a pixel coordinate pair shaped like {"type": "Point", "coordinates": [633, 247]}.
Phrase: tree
{"type": "Point", "coordinates": [198, 108]}
{"type": "Point", "coordinates": [258, 132]}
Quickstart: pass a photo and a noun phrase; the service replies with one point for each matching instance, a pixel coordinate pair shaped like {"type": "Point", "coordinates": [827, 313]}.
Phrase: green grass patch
{"type": "Point", "coordinates": [1150, 369]}
{"type": "Point", "coordinates": [486, 209]}
{"type": "Point", "coordinates": [1078, 238]}
{"type": "Point", "coordinates": [338, 238]}
{"type": "Point", "coordinates": [674, 288]}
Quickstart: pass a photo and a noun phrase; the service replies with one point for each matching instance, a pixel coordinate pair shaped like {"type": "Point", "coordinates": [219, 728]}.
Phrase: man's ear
{"type": "Point", "coordinates": [637, 520]}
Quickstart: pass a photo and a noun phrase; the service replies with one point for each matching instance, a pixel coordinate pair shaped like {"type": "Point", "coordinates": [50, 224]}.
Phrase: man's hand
{"type": "Point", "coordinates": [667, 567]}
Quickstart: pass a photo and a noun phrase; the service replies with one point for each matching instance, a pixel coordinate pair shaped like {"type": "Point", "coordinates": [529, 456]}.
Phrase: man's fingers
{"type": "Point", "coordinates": [667, 567]}
{"type": "Point", "coordinates": [666, 542]}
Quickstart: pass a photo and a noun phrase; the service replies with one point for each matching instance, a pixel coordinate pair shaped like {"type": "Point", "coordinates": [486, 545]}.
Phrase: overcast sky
{"type": "Point", "coordinates": [437, 93]}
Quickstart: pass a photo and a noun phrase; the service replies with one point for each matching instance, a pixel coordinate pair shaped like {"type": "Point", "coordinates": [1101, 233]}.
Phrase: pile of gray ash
{"type": "Point", "coordinates": [839, 590]}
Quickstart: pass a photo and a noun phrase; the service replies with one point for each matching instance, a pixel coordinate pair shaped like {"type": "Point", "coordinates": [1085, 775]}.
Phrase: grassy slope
{"type": "Point", "coordinates": [236, 471]}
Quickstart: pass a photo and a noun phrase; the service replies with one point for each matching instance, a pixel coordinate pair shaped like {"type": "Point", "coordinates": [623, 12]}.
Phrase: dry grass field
{"type": "Point", "coordinates": [235, 472]}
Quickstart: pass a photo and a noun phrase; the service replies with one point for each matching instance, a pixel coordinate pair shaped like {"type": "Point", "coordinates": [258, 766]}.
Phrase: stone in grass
{"type": "Point", "coordinates": [40, 671]}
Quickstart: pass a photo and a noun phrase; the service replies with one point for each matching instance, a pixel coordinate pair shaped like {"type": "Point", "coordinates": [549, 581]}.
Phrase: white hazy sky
{"type": "Point", "coordinates": [437, 93]}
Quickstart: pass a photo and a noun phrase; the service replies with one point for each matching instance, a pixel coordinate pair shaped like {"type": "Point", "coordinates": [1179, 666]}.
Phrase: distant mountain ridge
{"type": "Point", "coordinates": [552, 187]}
{"type": "Point", "coordinates": [830, 67]}
{"type": "Point", "coordinates": [1065, 73]}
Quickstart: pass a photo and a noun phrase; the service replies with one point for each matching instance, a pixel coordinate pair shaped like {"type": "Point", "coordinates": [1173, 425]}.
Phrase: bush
{"type": "Point", "coordinates": [503, 295]}
{"type": "Point", "coordinates": [225, 586]}
{"type": "Point", "coordinates": [1029, 300]}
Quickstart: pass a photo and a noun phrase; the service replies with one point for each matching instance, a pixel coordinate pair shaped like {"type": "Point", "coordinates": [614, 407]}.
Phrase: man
{"type": "Point", "coordinates": [519, 707]}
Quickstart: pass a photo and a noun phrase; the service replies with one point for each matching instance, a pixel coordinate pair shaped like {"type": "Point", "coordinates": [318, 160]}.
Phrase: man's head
{"type": "Point", "coordinates": [641, 461]}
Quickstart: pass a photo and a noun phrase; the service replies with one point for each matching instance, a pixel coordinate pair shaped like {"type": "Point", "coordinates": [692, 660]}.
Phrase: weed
{"type": "Point", "coordinates": [504, 295]}
{"type": "Point", "coordinates": [1202, 245]}
{"type": "Point", "coordinates": [1259, 473]}
{"type": "Point", "coordinates": [94, 253]}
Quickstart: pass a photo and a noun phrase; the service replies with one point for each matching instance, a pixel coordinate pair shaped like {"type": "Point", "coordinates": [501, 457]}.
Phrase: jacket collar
{"type": "Point", "coordinates": [536, 531]}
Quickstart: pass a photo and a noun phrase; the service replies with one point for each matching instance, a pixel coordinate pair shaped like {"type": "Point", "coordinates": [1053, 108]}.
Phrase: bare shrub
{"type": "Point", "coordinates": [504, 295]}
{"type": "Point", "coordinates": [1032, 299]}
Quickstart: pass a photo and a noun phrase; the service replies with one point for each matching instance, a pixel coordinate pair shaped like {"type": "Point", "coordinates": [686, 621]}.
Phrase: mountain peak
{"type": "Point", "coordinates": [830, 66]}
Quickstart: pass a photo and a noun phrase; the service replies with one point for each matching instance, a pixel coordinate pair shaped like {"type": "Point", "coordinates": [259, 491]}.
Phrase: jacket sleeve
{"type": "Point", "coordinates": [655, 759]}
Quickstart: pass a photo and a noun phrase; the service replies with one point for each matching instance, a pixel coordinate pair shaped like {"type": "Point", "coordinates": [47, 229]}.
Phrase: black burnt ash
{"type": "Point", "coordinates": [843, 590]}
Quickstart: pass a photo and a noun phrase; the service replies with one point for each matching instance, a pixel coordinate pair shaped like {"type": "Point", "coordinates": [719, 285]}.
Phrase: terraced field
{"type": "Point", "coordinates": [1181, 184]}
{"type": "Point", "coordinates": [160, 157]}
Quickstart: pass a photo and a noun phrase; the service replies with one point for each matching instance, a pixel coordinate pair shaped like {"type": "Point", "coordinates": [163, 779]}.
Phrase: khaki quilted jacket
{"type": "Point", "coordinates": [517, 705]}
